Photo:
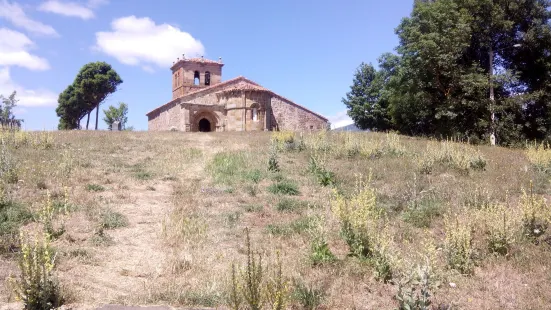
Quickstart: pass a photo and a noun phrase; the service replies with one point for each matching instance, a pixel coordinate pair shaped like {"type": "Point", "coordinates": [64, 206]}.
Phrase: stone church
{"type": "Point", "coordinates": [202, 102]}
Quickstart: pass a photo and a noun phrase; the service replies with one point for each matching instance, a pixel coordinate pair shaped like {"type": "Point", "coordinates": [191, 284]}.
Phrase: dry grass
{"type": "Point", "coordinates": [159, 218]}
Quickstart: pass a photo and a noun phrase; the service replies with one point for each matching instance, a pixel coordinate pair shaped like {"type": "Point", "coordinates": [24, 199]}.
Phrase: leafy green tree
{"type": "Point", "coordinates": [437, 93]}
{"type": "Point", "coordinates": [450, 53]}
{"type": "Point", "coordinates": [95, 82]}
{"type": "Point", "coordinates": [119, 114]}
{"type": "Point", "coordinates": [8, 104]}
{"type": "Point", "coordinates": [71, 109]}
{"type": "Point", "coordinates": [367, 101]}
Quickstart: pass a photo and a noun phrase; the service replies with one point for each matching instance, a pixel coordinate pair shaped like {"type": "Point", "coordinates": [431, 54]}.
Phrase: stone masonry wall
{"type": "Point", "coordinates": [288, 116]}
{"type": "Point", "coordinates": [183, 81]}
{"type": "Point", "coordinates": [274, 112]}
{"type": "Point", "coordinates": [166, 117]}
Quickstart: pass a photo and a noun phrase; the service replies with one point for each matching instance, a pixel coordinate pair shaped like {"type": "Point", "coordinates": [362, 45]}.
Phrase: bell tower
{"type": "Point", "coordinates": [191, 74]}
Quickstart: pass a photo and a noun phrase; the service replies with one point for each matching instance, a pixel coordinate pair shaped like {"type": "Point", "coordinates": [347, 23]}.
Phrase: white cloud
{"type": "Point", "coordinates": [71, 9]}
{"type": "Point", "coordinates": [139, 41]}
{"type": "Point", "coordinates": [15, 14]}
{"type": "Point", "coordinates": [14, 48]}
{"type": "Point", "coordinates": [26, 97]}
{"type": "Point", "coordinates": [340, 119]}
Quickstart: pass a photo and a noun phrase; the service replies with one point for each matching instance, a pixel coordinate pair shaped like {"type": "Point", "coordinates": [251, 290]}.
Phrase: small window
{"type": "Point", "coordinates": [255, 114]}
{"type": "Point", "coordinates": [311, 127]}
{"type": "Point", "coordinates": [196, 78]}
{"type": "Point", "coordinates": [207, 78]}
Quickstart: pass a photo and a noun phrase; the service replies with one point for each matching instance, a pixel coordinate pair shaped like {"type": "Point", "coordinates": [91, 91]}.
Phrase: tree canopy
{"type": "Point", "coordinates": [93, 84]}
{"type": "Point", "coordinates": [7, 104]}
{"type": "Point", "coordinates": [118, 114]}
{"type": "Point", "coordinates": [438, 83]}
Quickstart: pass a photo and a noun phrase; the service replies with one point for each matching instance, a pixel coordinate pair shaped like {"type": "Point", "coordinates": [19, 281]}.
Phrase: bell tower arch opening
{"type": "Point", "coordinates": [191, 74]}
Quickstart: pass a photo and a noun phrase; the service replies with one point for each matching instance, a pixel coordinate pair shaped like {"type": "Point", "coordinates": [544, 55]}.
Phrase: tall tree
{"type": "Point", "coordinates": [452, 52]}
{"type": "Point", "coordinates": [7, 106]}
{"type": "Point", "coordinates": [71, 109]}
{"type": "Point", "coordinates": [6, 110]}
{"type": "Point", "coordinates": [367, 100]}
{"type": "Point", "coordinates": [95, 82]}
{"type": "Point", "coordinates": [118, 114]}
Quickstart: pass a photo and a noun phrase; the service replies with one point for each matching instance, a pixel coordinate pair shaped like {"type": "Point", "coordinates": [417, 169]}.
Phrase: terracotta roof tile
{"type": "Point", "coordinates": [243, 86]}
{"type": "Point", "coordinates": [257, 87]}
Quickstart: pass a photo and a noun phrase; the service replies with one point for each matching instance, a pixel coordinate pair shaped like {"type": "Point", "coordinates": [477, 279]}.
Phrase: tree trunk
{"type": "Point", "coordinates": [88, 121]}
{"type": "Point", "coordinates": [97, 115]}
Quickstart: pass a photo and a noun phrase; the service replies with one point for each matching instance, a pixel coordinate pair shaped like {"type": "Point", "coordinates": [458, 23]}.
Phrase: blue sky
{"type": "Point", "coordinates": [304, 50]}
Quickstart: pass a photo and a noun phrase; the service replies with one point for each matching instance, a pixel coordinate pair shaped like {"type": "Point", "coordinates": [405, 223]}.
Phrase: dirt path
{"type": "Point", "coordinates": [137, 255]}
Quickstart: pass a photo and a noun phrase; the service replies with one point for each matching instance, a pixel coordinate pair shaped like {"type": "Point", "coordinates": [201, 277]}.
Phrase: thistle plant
{"type": "Point", "coordinates": [250, 287]}
{"type": "Point", "coordinates": [37, 286]}
{"type": "Point", "coordinates": [48, 213]}
{"type": "Point", "coordinates": [277, 287]}
{"type": "Point", "coordinates": [501, 228]}
{"type": "Point", "coordinates": [273, 164]}
{"type": "Point", "coordinates": [252, 277]}
{"type": "Point", "coordinates": [458, 244]}
{"type": "Point", "coordinates": [415, 292]}
{"type": "Point", "coordinates": [536, 214]}
{"type": "Point", "coordinates": [360, 218]}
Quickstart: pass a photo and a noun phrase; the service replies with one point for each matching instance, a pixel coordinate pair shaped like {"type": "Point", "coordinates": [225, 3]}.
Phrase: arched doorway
{"type": "Point", "coordinates": [204, 125]}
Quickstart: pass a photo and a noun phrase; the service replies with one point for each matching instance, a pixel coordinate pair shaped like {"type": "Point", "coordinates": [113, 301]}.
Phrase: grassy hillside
{"type": "Point", "coordinates": [341, 221]}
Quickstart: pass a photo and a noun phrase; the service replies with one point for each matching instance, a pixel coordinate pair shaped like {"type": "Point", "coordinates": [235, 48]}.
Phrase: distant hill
{"type": "Point", "coordinates": [350, 127]}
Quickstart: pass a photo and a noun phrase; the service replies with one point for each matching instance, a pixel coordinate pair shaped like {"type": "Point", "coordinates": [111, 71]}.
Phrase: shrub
{"type": "Point", "coordinates": [254, 175]}
{"type": "Point", "coordinates": [283, 139]}
{"type": "Point", "coordinates": [458, 244]}
{"type": "Point", "coordinates": [536, 214]}
{"type": "Point", "coordinates": [316, 166]}
{"type": "Point", "coordinates": [47, 214]}
{"type": "Point", "coordinates": [450, 154]}
{"type": "Point", "coordinates": [478, 198]}
{"type": "Point", "coordinates": [319, 249]}
{"type": "Point", "coordinates": [12, 216]}
{"type": "Point", "coordinates": [540, 156]}
{"type": "Point", "coordinates": [143, 175]}
{"type": "Point", "coordinates": [359, 216]}
{"type": "Point", "coordinates": [501, 228]}
{"type": "Point", "coordinates": [320, 252]}
{"type": "Point", "coordinates": [95, 188]}
{"type": "Point", "coordinates": [252, 190]}
{"type": "Point", "coordinates": [420, 214]}
{"type": "Point", "coordinates": [382, 265]}
{"type": "Point", "coordinates": [249, 286]}
{"type": "Point", "coordinates": [290, 205]}
{"type": "Point", "coordinates": [8, 165]}
{"type": "Point", "coordinates": [284, 187]}
{"type": "Point", "coordinates": [277, 288]}
{"type": "Point", "coordinates": [110, 219]}
{"type": "Point", "coordinates": [37, 286]}
{"type": "Point", "coordinates": [307, 296]}
{"type": "Point", "coordinates": [253, 208]}
{"type": "Point", "coordinates": [415, 292]}
{"type": "Point", "coordinates": [297, 226]}
{"type": "Point", "coordinates": [273, 165]}
{"type": "Point", "coordinates": [100, 238]}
